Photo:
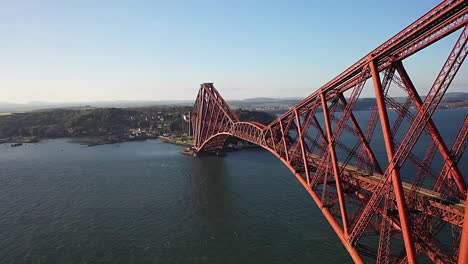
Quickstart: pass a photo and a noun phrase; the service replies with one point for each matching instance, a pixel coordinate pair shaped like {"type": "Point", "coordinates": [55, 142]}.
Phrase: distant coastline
{"type": "Point", "coordinates": [93, 127]}
{"type": "Point", "coordinates": [452, 100]}
{"type": "Point", "coordinates": [100, 126]}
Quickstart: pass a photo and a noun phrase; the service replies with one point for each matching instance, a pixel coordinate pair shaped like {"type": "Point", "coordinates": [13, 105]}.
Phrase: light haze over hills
{"type": "Point", "coordinates": [88, 51]}
{"type": "Point", "coordinates": [249, 103]}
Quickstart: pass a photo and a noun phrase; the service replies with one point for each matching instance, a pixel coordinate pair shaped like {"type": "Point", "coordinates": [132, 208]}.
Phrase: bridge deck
{"type": "Point", "coordinates": [438, 206]}
{"type": "Point", "coordinates": [425, 200]}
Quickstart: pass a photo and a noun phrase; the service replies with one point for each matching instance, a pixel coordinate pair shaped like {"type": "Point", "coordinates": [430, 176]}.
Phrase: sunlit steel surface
{"type": "Point", "coordinates": [367, 202]}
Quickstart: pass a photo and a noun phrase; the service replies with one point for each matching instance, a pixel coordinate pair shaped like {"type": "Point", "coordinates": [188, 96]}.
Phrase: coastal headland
{"type": "Point", "coordinates": [98, 126]}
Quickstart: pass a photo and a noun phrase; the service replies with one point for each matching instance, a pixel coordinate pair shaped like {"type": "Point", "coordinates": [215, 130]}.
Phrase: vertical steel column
{"type": "Point", "coordinates": [301, 141]}
{"type": "Point", "coordinates": [284, 140]}
{"type": "Point", "coordinates": [194, 119]}
{"type": "Point", "coordinates": [273, 142]}
{"type": "Point", "coordinates": [463, 254]}
{"type": "Point", "coordinates": [208, 105]}
{"type": "Point", "coordinates": [396, 180]}
{"type": "Point", "coordinates": [306, 124]}
{"type": "Point", "coordinates": [200, 115]}
{"type": "Point", "coordinates": [344, 216]}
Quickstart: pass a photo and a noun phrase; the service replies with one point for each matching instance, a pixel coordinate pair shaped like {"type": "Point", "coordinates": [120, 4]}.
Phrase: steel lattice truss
{"type": "Point", "coordinates": [377, 211]}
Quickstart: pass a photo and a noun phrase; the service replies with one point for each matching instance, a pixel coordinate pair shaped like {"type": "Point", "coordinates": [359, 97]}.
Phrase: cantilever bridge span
{"type": "Point", "coordinates": [404, 208]}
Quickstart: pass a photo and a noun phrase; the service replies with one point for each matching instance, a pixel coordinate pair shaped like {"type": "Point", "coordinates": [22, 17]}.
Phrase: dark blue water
{"type": "Point", "coordinates": [142, 202]}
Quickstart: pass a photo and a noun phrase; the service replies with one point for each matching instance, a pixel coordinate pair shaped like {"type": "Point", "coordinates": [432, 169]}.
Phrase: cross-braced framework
{"type": "Point", "coordinates": [402, 209]}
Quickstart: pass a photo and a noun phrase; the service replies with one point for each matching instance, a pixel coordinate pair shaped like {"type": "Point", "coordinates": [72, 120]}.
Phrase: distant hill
{"type": "Point", "coordinates": [259, 103]}
{"type": "Point", "coordinates": [25, 107]}
{"type": "Point", "coordinates": [281, 104]}
{"type": "Point", "coordinates": [455, 97]}
{"type": "Point", "coordinates": [260, 100]}
{"type": "Point", "coordinates": [54, 123]}
{"type": "Point", "coordinates": [249, 115]}
{"type": "Point", "coordinates": [104, 122]}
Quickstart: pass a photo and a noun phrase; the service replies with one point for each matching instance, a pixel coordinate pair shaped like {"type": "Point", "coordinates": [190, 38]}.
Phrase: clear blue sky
{"type": "Point", "coordinates": [90, 50]}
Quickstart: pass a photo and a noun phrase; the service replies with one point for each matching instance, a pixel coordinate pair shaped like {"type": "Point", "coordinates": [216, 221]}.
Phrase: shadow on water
{"type": "Point", "coordinates": [207, 187]}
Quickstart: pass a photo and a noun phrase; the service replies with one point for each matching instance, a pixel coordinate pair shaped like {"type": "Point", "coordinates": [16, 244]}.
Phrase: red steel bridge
{"type": "Point", "coordinates": [393, 206]}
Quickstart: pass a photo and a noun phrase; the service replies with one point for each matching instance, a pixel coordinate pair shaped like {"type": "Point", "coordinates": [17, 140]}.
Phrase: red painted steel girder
{"type": "Point", "coordinates": [371, 197]}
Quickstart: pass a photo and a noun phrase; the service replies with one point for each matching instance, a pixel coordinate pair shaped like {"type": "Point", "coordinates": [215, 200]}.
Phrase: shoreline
{"type": "Point", "coordinates": [175, 142]}
{"type": "Point", "coordinates": [87, 141]}
{"type": "Point", "coordinates": [97, 141]}
{"type": "Point", "coordinates": [93, 140]}
{"type": "Point", "coordinates": [19, 141]}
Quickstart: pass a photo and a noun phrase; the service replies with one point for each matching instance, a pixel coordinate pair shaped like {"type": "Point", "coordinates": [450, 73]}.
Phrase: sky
{"type": "Point", "coordinates": [83, 50]}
